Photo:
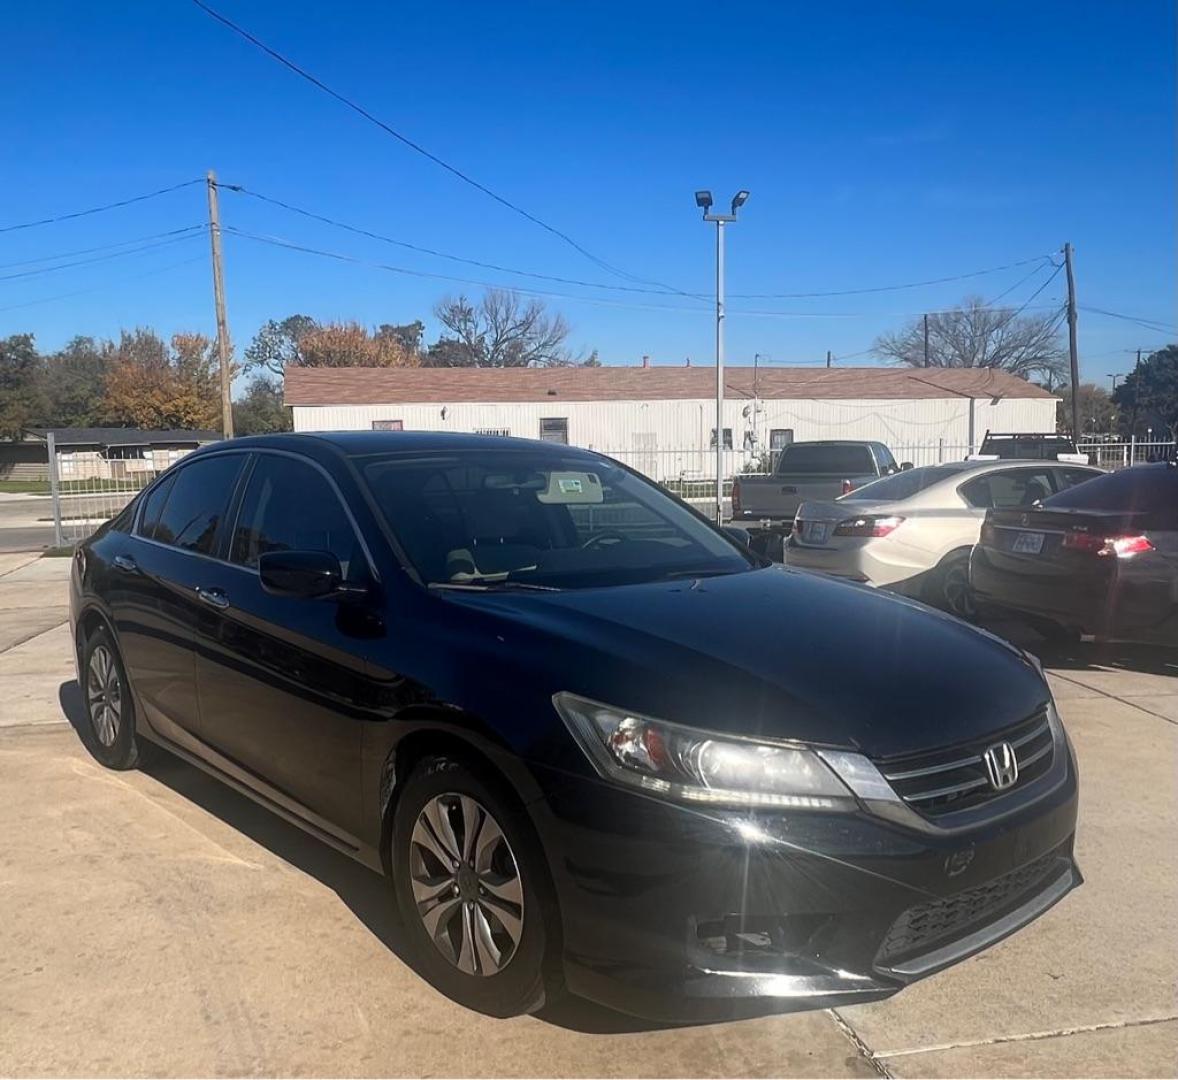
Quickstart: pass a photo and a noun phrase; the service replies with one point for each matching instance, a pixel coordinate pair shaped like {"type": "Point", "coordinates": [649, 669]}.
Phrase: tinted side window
{"type": "Point", "coordinates": [196, 505]}
{"type": "Point", "coordinates": [1008, 490]}
{"type": "Point", "coordinates": [289, 506]}
{"type": "Point", "coordinates": [153, 505]}
{"type": "Point", "coordinates": [1066, 478]}
{"type": "Point", "coordinates": [884, 457]}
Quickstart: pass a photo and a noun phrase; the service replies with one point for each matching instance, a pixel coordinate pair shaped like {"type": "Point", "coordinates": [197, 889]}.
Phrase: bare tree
{"type": "Point", "coordinates": [502, 330]}
{"type": "Point", "coordinates": [976, 335]}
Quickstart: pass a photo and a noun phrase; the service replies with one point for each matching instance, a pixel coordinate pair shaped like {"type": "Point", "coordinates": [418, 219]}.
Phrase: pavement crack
{"type": "Point", "coordinates": [1113, 697]}
{"type": "Point", "coordinates": [860, 1046]}
{"type": "Point", "coordinates": [1030, 1036]}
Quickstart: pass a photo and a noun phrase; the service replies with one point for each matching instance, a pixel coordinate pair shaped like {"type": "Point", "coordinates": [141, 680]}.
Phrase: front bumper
{"type": "Point", "coordinates": [672, 912]}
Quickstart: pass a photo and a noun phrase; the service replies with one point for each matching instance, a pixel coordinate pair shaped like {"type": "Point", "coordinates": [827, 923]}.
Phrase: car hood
{"type": "Point", "coordinates": [772, 653]}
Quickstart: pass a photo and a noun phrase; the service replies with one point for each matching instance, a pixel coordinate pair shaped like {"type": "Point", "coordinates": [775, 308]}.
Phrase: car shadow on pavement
{"type": "Point", "coordinates": [366, 893]}
{"type": "Point", "coordinates": [1072, 655]}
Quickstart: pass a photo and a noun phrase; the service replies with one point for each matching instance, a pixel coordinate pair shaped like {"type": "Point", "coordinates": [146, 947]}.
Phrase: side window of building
{"type": "Point", "coordinates": [194, 509]}
{"type": "Point", "coordinates": [289, 506]}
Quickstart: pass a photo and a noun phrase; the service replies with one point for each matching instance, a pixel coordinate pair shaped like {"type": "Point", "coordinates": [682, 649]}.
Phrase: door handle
{"type": "Point", "coordinates": [213, 597]}
{"type": "Point", "coordinates": [125, 562]}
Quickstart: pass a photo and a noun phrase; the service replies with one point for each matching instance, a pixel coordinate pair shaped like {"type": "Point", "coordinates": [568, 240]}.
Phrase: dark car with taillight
{"type": "Point", "coordinates": [596, 744]}
{"type": "Point", "coordinates": [1099, 559]}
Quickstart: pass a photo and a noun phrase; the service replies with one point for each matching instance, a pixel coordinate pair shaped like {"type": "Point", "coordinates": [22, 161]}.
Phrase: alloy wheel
{"type": "Point", "coordinates": [104, 695]}
{"type": "Point", "coordinates": [958, 593]}
{"type": "Point", "coordinates": [466, 884]}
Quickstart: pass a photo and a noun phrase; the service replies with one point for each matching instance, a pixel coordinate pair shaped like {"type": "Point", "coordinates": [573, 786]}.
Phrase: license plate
{"type": "Point", "coordinates": [815, 532]}
{"type": "Point", "coordinates": [1028, 543]}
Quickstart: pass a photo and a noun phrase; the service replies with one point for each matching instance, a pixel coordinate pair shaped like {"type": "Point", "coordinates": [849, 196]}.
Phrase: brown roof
{"type": "Point", "coordinates": [387, 386]}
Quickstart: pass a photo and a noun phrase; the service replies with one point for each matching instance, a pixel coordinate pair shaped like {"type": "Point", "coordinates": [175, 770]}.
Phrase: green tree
{"type": "Point", "coordinates": [1098, 412]}
{"type": "Point", "coordinates": [259, 410]}
{"type": "Point", "coordinates": [74, 381]}
{"type": "Point", "coordinates": [276, 344]}
{"type": "Point", "coordinates": [1148, 397]}
{"type": "Point", "coordinates": [22, 400]}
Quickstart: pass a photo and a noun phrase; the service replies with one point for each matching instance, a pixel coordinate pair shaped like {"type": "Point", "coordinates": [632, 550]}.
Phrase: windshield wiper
{"type": "Point", "coordinates": [491, 586]}
{"type": "Point", "coordinates": [714, 572]}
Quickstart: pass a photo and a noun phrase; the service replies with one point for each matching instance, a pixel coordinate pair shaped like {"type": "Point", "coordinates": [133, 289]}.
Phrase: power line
{"type": "Point", "coordinates": [239, 189]}
{"type": "Point", "coordinates": [98, 258]}
{"type": "Point", "coordinates": [1149, 324]}
{"type": "Point", "coordinates": [100, 209]}
{"type": "Point", "coordinates": [282, 242]}
{"type": "Point", "coordinates": [104, 285]}
{"type": "Point", "coordinates": [101, 247]}
{"type": "Point", "coordinates": [418, 148]}
{"type": "Point", "coordinates": [891, 288]}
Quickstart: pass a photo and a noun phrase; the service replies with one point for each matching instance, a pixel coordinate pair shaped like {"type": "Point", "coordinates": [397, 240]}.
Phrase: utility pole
{"type": "Point", "coordinates": [925, 341]}
{"type": "Point", "coordinates": [219, 301]}
{"type": "Point", "coordinates": [703, 199]}
{"type": "Point", "coordinates": [1073, 354]}
{"type": "Point", "coordinates": [829, 358]}
{"type": "Point", "coordinates": [1136, 394]}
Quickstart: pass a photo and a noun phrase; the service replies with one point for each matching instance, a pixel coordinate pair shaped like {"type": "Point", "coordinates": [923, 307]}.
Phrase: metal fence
{"type": "Point", "coordinates": [88, 488]}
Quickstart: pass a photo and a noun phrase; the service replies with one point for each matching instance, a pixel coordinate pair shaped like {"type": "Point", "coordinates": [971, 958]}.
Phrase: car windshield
{"type": "Point", "coordinates": [902, 485]}
{"type": "Point", "coordinates": [511, 519]}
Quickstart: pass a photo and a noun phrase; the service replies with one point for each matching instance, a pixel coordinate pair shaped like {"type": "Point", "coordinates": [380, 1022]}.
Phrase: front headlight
{"type": "Point", "coordinates": [696, 766]}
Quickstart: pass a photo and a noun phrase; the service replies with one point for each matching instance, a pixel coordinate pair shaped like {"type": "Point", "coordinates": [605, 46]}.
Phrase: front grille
{"type": "Point", "coordinates": [947, 780]}
{"type": "Point", "coordinates": [923, 927]}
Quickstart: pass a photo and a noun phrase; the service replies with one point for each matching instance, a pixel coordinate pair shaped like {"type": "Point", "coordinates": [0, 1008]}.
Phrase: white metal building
{"type": "Point", "coordinates": [662, 419]}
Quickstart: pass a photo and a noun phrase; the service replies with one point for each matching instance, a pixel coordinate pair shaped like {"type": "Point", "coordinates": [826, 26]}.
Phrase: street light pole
{"type": "Point", "coordinates": [703, 199]}
{"type": "Point", "coordinates": [1114, 378]}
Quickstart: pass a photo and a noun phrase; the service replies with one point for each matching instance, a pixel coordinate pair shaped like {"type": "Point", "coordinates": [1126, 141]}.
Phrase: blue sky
{"type": "Point", "coordinates": [882, 144]}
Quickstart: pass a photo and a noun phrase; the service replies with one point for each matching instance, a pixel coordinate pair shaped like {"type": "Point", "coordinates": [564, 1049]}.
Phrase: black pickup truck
{"type": "Point", "coordinates": [805, 471]}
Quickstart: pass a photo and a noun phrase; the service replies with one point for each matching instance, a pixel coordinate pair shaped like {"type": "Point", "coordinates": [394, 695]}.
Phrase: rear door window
{"type": "Point", "coordinates": [194, 510]}
{"type": "Point", "coordinates": [1008, 489]}
{"type": "Point", "coordinates": [153, 505]}
{"type": "Point", "coordinates": [1067, 478]}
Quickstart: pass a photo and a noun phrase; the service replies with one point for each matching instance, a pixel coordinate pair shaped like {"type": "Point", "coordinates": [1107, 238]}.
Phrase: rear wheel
{"type": "Point", "coordinates": [473, 889]}
{"type": "Point", "coordinates": [949, 588]}
{"type": "Point", "coordinates": [110, 712]}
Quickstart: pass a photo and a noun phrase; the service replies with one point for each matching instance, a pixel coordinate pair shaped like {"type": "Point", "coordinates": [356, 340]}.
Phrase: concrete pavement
{"type": "Point", "coordinates": [156, 922]}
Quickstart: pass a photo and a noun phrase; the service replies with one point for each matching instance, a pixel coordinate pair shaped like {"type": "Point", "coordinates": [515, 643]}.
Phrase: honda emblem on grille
{"type": "Point", "coordinates": [1001, 766]}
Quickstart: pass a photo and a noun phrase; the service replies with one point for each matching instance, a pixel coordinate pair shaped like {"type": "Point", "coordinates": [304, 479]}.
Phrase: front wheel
{"type": "Point", "coordinates": [949, 588]}
{"type": "Point", "coordinates": [473, 889]}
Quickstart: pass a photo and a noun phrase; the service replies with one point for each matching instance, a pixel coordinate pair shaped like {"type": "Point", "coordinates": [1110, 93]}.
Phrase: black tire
{"type": "Point", "coordinates": [948, 588]}
{"type": "Point", "coordinates": [528, 977]}
{"type": "Point", "coordinates": [111, 740]}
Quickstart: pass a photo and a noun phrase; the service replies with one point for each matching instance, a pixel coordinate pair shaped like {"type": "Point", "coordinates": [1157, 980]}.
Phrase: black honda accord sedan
{"type": "Point", "coordinates": [594, 743]}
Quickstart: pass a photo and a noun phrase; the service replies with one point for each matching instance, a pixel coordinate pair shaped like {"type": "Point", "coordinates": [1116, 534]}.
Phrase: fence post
{"type": "Point", "coordinates": [941, 451]}
{"type": "Point", "coordinates": [54, 489]}
{"type": "Point", "coordinates": [1133, 449]}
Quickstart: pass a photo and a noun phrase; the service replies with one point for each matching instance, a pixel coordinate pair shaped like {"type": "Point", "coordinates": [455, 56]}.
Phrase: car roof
{"type": "Point", "coordinates": [363, 443]}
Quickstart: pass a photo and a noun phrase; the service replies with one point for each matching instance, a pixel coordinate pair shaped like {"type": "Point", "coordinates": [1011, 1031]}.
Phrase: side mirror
{"type": "Point", "coordinates": [304, 575]}
{"type": "Point", "coordinates": [905, 466]}
{"type": "Point", "coordinates": [741, 535]}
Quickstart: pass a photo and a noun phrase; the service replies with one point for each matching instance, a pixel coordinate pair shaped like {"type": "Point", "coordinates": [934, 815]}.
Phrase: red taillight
{"type": "Point", "coordinates": [868, 526]}
{"type": "Point", "coordinates": [735, 497]}
{"type": "Point", "coordinates": [848, 487]}
{"type": "Point", "coordinates": [1123, 547]}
